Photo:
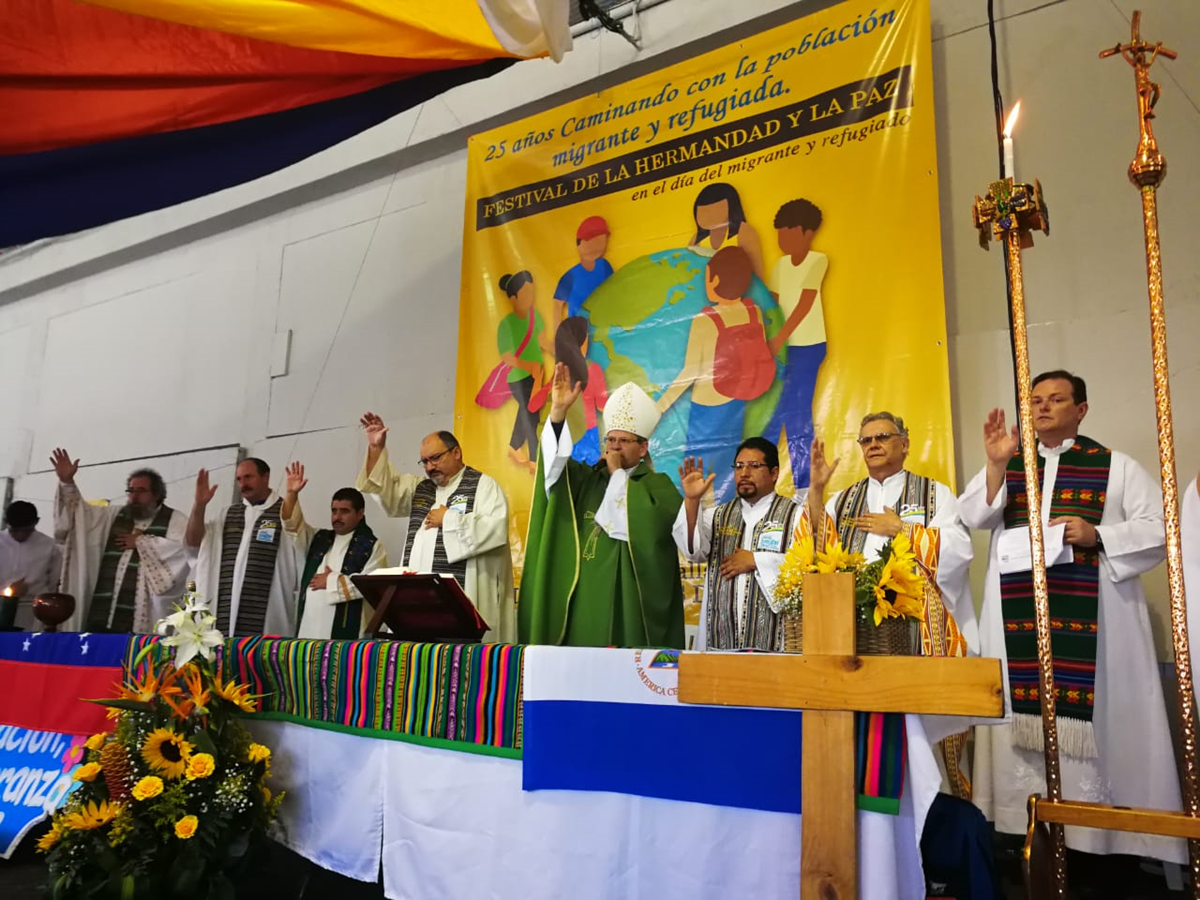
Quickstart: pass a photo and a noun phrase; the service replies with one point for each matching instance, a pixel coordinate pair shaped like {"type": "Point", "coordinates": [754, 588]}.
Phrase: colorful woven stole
{"type": "Point", "coordinates": [125, 602]}
{"type": "Point", "coordinates": [260, 569]}
{"type": "Point", "coordinates": [882, 747]}
{"type": "Point", "coordinates": [1080, 488]}
{"type": "Point", "coordinates": [423, 499]}
{"type": "Point", "coordinates": [759, 625]}
{"type": "Point", "coordinates": [347, 623]}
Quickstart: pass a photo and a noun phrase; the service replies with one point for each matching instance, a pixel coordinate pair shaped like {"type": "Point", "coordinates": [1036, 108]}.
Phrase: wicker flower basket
{"type": "Point", "coordinates": [793, 634]}
{"type": "Point", "coordinates": [893, 637]}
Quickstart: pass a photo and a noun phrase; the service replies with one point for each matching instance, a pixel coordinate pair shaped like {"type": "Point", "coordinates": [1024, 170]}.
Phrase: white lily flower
{"type": "Point", "coordinates": [193, 638]}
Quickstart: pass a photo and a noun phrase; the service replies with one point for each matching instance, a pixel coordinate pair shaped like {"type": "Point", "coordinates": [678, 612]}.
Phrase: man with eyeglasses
{"type": "Point", "coordinates": [126, 564]}
{"type": "Point", "coordinates": [1103, 527]}
{"type": "Point", "coordinates": [601, 567]}
{"type": "Point", "coordinates": [743, 542]}
{"type": "Point", "coordinates": [457, 521]}
{"type": "Point", "coordinates": [892, 500]}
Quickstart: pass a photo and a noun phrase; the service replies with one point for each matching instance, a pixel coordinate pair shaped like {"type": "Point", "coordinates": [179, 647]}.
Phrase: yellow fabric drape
{"type": "Point", "coordinates": [412, 29]}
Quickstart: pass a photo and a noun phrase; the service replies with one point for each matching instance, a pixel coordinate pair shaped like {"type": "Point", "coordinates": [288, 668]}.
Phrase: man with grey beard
{"type": "Point", "coordinates": [126, 565]}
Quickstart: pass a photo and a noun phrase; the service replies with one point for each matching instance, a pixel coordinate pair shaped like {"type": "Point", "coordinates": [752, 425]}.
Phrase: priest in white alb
{"type": "Point", "coordinates": [1103, 520]}
{"type": "Point", "coordinates": [126, 565]}
{"type": "Point", "coordinates": [244, 568]}
{"type": "Point", "coordinates": [331, 607]}
{"type": "Point", "coordinates": [894, 500]}
{"type": "Point", "coordinates": [457, 521]}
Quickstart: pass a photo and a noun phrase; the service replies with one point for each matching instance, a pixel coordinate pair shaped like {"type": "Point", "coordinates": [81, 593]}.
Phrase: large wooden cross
{"type": "Point", "coordinates": [830, 683]}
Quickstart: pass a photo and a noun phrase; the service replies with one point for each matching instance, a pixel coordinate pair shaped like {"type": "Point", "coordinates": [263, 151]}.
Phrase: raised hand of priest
{"type": "Point", "coordinates": [64, 467]}
{"type": "Point", "coordinates": [375, 429]}
{"type": "Point", "coordinates": [820, 470]}
{"type": "Point", "coordinates": [999, 442]}
{"type": "Point", "coordinates": [738, 563]}
{"type": "Point", "coordinates": [692, 480]}
{"type": "Point", "coordinates": [129, 541]}
{"type": "Point", "coordinates": [295, 478]}
{"type": "Point", "coordinates": [204, 491]}
{"type": "Point", "coordinates": [1079, 533]}
{"type": "Point", "coordinates": [886, 523]}
{"type": "Point", "coordinates": [435, 516]}
{"type": "Point", "coordinates": [563, 393]}
{"type": "Point", "coordinates": [320, 580]}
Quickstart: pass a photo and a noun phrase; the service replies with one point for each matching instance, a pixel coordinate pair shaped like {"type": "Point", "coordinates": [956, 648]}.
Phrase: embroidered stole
{"type": "Point", "coordinates": [918, 493]}
{"type": "Point", "coordinates": [882, 744]}
{"type": "Point", "coordinates": [347, 623]}
{"type": "Point", "coordinates": [1080, 489]}
{"type": "Point", "coordinates": [116, 614]}
{"type": "Point", "coordinates": [424, 498]}
{"type": "Point", "coordinates": [260, 569]}
{"type": "Point", "coordinates": [758, 624]}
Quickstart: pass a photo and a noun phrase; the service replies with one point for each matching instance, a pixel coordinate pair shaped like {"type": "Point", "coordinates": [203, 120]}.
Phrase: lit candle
{"type": "Point", "coordinates": [1010, 170]}
{"type": "Point", "coordinates": [8, 591]}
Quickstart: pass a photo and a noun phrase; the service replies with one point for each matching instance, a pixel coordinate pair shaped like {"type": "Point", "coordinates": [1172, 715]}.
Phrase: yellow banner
{"type": "Point", "coordinates": [752, 236]}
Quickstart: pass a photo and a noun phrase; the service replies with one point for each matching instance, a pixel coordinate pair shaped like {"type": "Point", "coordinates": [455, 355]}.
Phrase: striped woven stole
{"type": "Point", "coordinates": [881, 745]}
{"type": "Point", "coordinates": [758, 626]}
{"type": "Point", "coordinates": [424, 498]}
{"type": "Point", "coordinates": [116, 614]}
{"type": "Point", "coordinates": [1080, 489]}
{"type": "Point", "coordinates": [260, 568]}
{"type": "Point", "coordinates": [918, 492]}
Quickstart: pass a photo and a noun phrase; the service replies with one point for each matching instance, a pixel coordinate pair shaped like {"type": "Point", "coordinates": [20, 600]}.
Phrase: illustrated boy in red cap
{"type": "Point", "coordinates": [577, 284]}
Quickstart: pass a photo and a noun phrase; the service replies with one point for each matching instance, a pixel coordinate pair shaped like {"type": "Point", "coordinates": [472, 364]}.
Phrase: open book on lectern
{"type": "Point", "coordinates": [426, 607]}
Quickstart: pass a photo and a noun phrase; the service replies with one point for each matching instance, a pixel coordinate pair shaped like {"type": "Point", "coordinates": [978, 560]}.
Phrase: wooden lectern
{"type": "Point", "coordinates": [830, 684]}
{"type": "Point", "coordinates": [426, 608]}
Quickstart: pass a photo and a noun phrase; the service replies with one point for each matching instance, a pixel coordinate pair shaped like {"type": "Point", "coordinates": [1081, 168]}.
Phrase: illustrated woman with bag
{"type": "Point", "coordinates": [519, 340]}
{"type": "Point", "coordinates": [727, 364]}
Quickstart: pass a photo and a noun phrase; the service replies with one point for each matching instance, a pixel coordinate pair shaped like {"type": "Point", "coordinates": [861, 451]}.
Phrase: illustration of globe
{"type": "Point", "coordinates": [640, 318]}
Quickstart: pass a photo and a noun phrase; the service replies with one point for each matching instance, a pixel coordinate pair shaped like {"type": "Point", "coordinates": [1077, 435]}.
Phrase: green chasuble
{"type": "Point", "coordinates": [582, 588]}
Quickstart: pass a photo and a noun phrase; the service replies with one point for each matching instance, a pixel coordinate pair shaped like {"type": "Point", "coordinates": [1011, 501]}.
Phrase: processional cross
{"type": "Point", "coordinates": [830, 683]}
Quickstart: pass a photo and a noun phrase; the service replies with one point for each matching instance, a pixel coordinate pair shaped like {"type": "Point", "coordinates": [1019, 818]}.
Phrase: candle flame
{"type": "Point", "coordinates": [1011, 121]}
{"type": "Point", "coordinates": [8, 592]}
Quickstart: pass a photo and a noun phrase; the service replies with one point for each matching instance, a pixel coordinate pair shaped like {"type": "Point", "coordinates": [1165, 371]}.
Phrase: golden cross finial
{"type": "Point", "coordinates": [1148, 167]}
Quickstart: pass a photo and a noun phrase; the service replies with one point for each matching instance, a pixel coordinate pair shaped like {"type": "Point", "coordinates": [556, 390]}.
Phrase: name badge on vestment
{"type": "Point", "coordinates": [267, 532]}
{"type": "Point", "coordinates": [913, 512]}
{"type": "Point", "coordinates": [770, 539]}
{"type": "Point", "coordinates": [458, 504]}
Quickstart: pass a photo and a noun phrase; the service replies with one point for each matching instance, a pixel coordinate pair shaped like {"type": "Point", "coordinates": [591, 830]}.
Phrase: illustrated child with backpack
{"type": "Point", "coordinates": [727, 363]}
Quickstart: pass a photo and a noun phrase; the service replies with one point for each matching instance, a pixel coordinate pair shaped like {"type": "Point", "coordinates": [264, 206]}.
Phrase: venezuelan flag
{"type": "Point", "coordinates": [128, 106]}
{"type": "Point", "coordinates": [50, 675]}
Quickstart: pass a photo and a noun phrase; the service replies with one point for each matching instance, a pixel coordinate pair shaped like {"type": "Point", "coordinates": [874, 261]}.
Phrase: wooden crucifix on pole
{"type": "Point", "coordinates": [830, 683]}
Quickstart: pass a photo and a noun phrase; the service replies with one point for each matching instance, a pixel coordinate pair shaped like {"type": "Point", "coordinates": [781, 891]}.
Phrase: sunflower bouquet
{"type": "Point", "coordinates": [169, 803]}
{"type": "Point", "coordinates": [803, 559]}
{"type": "Point", "coordinates": [891, 586]}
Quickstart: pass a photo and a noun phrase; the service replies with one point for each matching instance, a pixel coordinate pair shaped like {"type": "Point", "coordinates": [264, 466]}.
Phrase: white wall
{"type": "Point", "coordinates": [153, 336]}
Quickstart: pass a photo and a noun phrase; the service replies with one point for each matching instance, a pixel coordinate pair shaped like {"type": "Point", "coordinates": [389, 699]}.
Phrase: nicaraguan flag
{"type": "Point", "coordinates": [608, 720]}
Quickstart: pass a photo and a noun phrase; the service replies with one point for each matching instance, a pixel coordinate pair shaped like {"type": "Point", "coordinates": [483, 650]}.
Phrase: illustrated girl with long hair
{"type": "Point", "coordinates": [570, 348]}
{"type": "Point", "coordinates": [721, 222]}
{"type": "Point", "coordinates": [520, 340]}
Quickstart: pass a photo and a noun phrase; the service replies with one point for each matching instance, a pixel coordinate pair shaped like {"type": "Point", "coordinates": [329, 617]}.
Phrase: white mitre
{"type": "Point", "coordinates": [629, 408]}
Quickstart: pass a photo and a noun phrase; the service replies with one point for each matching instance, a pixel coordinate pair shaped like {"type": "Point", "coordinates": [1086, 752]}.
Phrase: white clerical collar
{"type": "Point", "coordinates": [889, 480]}
{"type": "Point", "coordinates": [748, 507]}
{"type": "Point", "coordinates": [1056, 451]}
